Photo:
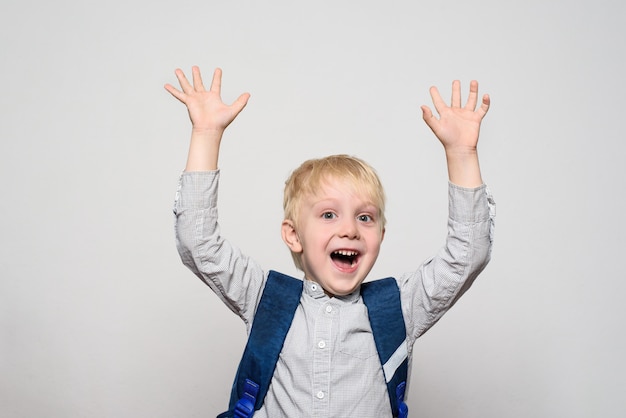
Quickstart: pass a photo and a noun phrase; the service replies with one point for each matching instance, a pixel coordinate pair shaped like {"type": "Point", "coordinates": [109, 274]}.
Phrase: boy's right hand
{"type": "Point", "coordinates": [207, 111]}
{"type": "Point", "coordinates": [209, 117]}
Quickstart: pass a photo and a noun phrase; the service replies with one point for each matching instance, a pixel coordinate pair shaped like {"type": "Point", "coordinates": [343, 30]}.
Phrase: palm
{"type": "Point", "coordinates": [457, 127]}
{"type": "Point", "coordinates": [206, 109]}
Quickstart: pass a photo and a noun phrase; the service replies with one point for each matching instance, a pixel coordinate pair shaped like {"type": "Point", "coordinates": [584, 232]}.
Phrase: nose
{"type": "Point", "coordinates": [349, 228]}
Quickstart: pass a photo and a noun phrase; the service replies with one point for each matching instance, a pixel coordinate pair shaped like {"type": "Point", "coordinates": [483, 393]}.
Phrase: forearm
{"type": "Point", "coordinates": [464, 168]}
{"type": "Point", "coordinates": [204, 150]}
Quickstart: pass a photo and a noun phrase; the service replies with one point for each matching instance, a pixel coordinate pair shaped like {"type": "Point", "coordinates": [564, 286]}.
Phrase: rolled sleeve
{"type": "Point", "coordinates": [235, 278]}
{"type": "Point", "coordinates": [196, 191]}
{"type": "Point", "coordinates": [440, 281]}
{"type": "Point", "coordinates": [470, 205]}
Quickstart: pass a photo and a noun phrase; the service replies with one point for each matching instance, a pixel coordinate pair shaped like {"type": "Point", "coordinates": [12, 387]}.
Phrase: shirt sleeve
{"type": "Point", "coordinates": [234, 277]}
{"type": "Point", "coordinates": [440, 281]}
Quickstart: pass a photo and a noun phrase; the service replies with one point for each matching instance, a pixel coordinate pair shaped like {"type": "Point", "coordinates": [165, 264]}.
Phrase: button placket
{"type": "Point", "coordinates": [321, 360]}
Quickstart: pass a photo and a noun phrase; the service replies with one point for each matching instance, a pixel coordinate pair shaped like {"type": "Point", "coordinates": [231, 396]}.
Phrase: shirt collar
{"type": "Point", "coordinates": [316, 291]}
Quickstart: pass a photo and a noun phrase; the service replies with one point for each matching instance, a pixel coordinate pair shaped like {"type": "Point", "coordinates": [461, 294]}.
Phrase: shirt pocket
{"type": "Point", "coordinates": [355, 333]}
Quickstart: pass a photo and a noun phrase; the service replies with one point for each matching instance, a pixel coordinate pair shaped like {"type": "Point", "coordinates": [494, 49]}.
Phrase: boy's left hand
{"type": "Point", "coordinates": [457, 127]}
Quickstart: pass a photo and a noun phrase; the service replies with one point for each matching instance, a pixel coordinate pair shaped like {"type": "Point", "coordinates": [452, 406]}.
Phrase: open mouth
{"type": "Point", "coordinates": [345, 258]}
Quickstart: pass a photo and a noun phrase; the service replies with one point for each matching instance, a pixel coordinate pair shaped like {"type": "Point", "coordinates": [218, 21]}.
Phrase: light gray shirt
{"type": "Point", "coordinates": [328, 366]}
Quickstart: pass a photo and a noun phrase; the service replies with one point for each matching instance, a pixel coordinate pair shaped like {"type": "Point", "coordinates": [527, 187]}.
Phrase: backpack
{"type": "Point", "coordinates": [272, 321]}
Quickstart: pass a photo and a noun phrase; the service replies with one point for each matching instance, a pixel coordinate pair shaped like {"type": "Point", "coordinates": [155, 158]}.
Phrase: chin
{"type": "Point", "coordinates": [343, 291]}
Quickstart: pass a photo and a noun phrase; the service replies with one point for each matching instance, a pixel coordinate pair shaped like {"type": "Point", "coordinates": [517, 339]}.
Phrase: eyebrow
{"type": "Point", "coordinates": [366, 206]}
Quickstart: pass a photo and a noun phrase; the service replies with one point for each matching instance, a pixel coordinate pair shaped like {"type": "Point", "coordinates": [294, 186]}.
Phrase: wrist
{"type": "Point", "coordinates": [206, 136]}
{"type": "Point", "coordinates": [207, 132]}
{"type": "Point", "coordinates": [461, 152]}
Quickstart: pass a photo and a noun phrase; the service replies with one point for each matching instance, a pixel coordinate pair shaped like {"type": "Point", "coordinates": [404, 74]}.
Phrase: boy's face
{"type": "Point", "coordinates": [338, 235]}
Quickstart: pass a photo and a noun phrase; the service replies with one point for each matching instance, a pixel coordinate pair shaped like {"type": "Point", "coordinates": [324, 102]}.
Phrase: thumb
{"type": "Point", "coordinates": [428, 117]}
{"type": "Point", "coordinates": [241, 102]}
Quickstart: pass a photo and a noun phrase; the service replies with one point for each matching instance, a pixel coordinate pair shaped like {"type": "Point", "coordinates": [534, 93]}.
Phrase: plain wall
{"type": "Point", "coordinates": [98, 317]}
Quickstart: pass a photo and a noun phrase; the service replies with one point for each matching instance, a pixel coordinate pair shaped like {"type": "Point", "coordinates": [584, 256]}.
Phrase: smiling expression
{"type": "Point", "coordinates": [337, 236]}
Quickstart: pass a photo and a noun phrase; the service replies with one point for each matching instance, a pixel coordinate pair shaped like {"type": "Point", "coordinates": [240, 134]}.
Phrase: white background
{"type": "Point", "coordinates": [98, 317]}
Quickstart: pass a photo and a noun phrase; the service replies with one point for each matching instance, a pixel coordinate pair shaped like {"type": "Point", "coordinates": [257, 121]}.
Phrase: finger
{"type": "Point", "coordinates": [472, 99]}
{"type": "Point", "coordinates": [197, 78]}
{"type": "Point", "coordinates": [428, 117]}
{"type": "Point", "coordinates": [484, 107]}
{"type": "Point", "coordinates": [175, 92]}
{"type": "Point", "coordinates": [216, 83]}
{"type": "Point", "coordinates": [440, 105]}
{"type": "Point", "coordinates": [456, 94]}
{"type": "Point", "coordinates": [182, 80]}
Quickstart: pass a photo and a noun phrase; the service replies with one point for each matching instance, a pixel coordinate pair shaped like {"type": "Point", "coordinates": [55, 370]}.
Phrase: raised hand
{"type": "Point", "coordinates": [209, 117]}
{"type": "Point", "coordinates": [457, 127]}
{"type": "Point", "coordinates": [206, 109]}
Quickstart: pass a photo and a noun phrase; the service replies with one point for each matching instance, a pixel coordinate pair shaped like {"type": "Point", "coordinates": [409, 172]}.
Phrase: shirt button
{"type": "Point", "coordinates": [321, 344]}
{"type": "Point", "coordinates": [329, 309]}
{"type": "Point", "coordinates": [314, 287]}
{"type": "Point", "coordinates": [320, 395]}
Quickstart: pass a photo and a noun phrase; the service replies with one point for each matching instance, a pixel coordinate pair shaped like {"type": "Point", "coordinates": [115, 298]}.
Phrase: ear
{"type": "Point", "coordinates": [290, 236]}
{"type": "Point", "coordinates": [382, 235]}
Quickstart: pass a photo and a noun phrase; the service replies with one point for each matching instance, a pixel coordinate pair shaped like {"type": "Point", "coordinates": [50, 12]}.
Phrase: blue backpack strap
{"type": "Point", "coordinates": [272, 321]}
{"type": "Point", "coordinates": [382, 298]}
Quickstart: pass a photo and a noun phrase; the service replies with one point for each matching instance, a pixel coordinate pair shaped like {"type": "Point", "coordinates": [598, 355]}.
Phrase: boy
{"type": "Point", "coordinates": [334, 226]}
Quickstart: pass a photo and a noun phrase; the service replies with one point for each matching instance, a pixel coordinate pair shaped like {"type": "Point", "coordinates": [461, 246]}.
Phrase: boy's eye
{"type": "Point", "coordinates": [365, 218]}
{"type": "Point", "coordinates": [328, 215]}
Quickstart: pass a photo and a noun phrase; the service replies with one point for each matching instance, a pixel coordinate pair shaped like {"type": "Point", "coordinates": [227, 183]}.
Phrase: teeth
{"type": "Point", "coordinates": [346, 253]}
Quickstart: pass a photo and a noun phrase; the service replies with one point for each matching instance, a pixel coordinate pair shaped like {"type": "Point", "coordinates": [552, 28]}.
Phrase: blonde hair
{"type": "Point", "coordinates": [307, 179]}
